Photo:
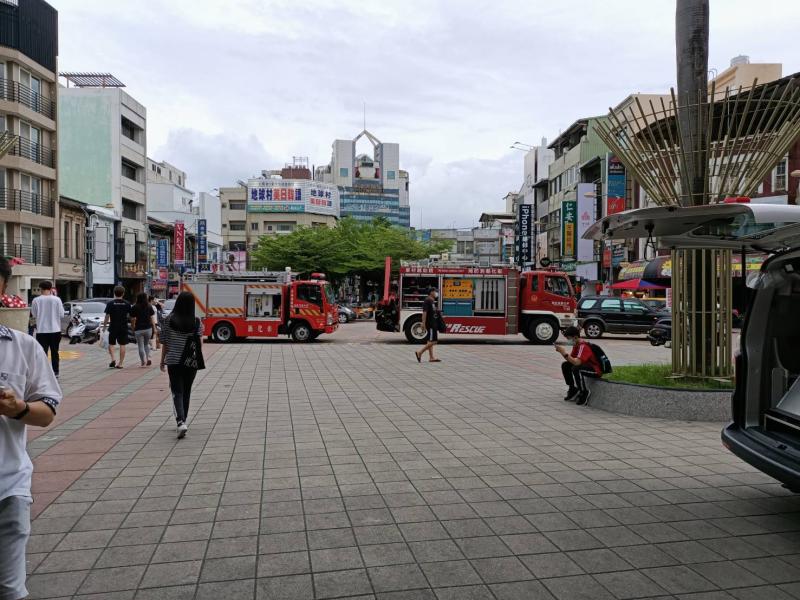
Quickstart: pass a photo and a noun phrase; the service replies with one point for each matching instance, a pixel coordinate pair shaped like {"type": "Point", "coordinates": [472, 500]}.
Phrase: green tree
{"type": "Point", "coordinates": [352, 247]}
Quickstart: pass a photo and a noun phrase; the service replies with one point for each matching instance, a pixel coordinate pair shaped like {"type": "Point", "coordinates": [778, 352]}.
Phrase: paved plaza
{"type": "Point", "coordinates": [344, 469]}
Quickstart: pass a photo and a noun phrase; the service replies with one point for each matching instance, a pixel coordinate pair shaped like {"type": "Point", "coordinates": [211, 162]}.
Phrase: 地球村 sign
{"type": "Point", "coordinates": [293, 196]}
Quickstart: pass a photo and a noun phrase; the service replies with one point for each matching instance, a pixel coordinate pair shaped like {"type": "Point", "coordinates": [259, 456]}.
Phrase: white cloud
{"type": "Point", "coordinates": [454, 82]}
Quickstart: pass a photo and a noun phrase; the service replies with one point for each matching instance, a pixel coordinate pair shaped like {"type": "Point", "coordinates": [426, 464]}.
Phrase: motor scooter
{"type": "Point", "coordinates": [81, 330]}
{"type": "Point", "coordinates": [661, 333]}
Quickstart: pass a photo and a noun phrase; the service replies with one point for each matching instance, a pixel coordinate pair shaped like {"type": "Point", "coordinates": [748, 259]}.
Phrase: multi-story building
{"type": "Point", "coordinates": [576, 147]}
{"type": "Point", "coordinates": [235, 237]}
{"type": "Point", "coordinates": [369, 187]}
{"type": "Point", "coordinates": [169, 201]}
{"type": "Point", "coordinates": [103, 157]}
{"type": "Point", "coordinates": [28, 171]}
{"type": "Point", "coordinates": [70, 267]}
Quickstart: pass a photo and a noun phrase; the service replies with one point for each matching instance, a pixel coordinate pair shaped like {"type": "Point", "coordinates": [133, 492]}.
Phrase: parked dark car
{"type": "Point", "coordinates": [656, 304]}
{"type": "Point", "coordinates": [600, 314]}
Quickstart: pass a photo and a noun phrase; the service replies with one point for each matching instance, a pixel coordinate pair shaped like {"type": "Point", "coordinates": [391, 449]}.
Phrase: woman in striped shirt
{"type": "Point", "coordinates": [176, 330]}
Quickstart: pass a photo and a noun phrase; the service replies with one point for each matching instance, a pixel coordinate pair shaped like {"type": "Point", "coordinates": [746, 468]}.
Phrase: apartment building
{"type": "Point", "coordinates": [103, 158]}
{"type": "Point", "coordinates": [28, 112]}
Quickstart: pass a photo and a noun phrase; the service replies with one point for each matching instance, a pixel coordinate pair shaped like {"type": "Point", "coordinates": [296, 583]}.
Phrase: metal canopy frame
{"type": "Point", "coordinates": [749, 130]}
{"type": "Point", "coordinates": [103, 80]}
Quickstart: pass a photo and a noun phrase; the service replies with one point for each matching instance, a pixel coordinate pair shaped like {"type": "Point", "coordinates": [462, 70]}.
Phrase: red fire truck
{"type": "Point", "coordinates": [263, 304]}
{"type": "Point", "coordinates": [482, 300]}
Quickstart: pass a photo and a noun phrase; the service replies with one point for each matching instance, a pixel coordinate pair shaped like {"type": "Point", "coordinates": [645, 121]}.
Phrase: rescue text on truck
{"type": "Point", "coordinates": [480, 301]}
{"type": "Point", "coordinates": [263, 304]}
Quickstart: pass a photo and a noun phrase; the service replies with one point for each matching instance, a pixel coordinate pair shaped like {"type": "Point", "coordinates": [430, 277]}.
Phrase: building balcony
{"type": "Point", "coordinates": [11, 199]}
{"type": "Point", "coordinates": [24, 148]}
{"type": "Point", "coordinates": [31, 254]}
{"type": "Point", "coordinates": [13, 91]}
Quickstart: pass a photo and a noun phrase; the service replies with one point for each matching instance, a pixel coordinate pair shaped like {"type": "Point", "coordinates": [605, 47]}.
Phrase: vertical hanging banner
{"type": "Point", "coordinates": [162, 252]}
{"type": "Point", "coordinates": [569, 222]}
{"type": "Point", "coordinates": [202, 241]}
{"type": "Point", "coordinates": [180, 239]}
{"type": "Point", "coordinates": [615, 185]}
{"type": "Point", "coordinates": [523, 234]}
{"type": "Point", "coordinates": [586, 217]}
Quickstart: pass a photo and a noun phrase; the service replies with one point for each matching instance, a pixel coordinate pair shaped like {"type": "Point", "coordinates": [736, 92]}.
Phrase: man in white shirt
{"type": "Point", "coordinates": [29, 395]}
{"type": "Point", "coordinates": [47, 309]}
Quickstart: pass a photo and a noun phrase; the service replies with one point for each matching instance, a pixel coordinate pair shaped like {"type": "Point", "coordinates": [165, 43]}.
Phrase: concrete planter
{"type": "Point", "coordinates": [666, 403]}
{"type": "Point", "coordinates": [15, 318]}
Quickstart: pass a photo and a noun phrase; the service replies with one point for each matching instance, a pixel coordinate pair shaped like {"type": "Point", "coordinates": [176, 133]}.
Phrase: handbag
{"type": "Point", "coordinates": [192, 356]}
{"type": "Point", "coordinates": [441, 324]}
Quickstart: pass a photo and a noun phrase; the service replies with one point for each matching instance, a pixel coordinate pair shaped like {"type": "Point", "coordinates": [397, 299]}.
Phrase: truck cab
{"type": "Point", "coordinates": [547, 304]}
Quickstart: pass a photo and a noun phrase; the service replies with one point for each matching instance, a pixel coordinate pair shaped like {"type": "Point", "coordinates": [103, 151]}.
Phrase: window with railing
{"type": "Point", "coordinates": [14, 91]}
{"type": "Point", "coordinates": [238, 205]}
{"type": "Point", "coordinates": [34, 151]}
{"type": "Point", "coordinates": [13, 199]}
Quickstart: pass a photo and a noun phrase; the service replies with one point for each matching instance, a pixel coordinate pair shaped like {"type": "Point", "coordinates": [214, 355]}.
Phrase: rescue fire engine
{"type": "Point", "coordinates": [481, 300]}
{"type": "Point", "coordinates": [263, 304]}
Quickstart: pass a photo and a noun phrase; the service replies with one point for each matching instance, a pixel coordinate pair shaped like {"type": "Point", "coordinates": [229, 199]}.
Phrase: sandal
{"type": "Point", "coordinates": [419, 357]}
{"type": "Point", "coordinates": [436, 360]}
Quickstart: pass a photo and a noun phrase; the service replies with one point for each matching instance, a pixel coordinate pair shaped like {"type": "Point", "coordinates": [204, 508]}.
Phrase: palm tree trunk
{"type": "Point", "coordinates": [700, 307]}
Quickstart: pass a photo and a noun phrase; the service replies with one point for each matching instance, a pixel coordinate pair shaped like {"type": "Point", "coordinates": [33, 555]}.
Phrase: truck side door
{"type": "Point", "coordinates": [557, 293]}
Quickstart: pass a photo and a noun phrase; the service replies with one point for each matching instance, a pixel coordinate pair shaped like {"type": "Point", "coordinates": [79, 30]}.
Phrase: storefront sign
{"type": "Point", "coordinates": [615, 185]}
{"type": "Point", "coordinates": [288, 195]}
{"type": "Point", "coordinates": [202, 241]}
{"type": "Point", "coordinates": [523, 234]}
{"type": "Point", "coordinates": [569, 218]}
{"type": "Point", "coordinates": [586, 214]}
{"type": "Point", "coordinates": [162, 252]}
{"type": "Point", "coordinates": [163, 274]}
{"type": "Point", "coordinates": [180, 241]}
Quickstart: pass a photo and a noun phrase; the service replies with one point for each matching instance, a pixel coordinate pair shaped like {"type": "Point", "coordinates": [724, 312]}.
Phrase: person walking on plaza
{"type": "Point", "coordinates": [29, 396]}
{"type": "Point", "coordinates": [578, 363]}
{"type": "Point", "coordinates": [118, 313]}
{"type": "Point", "coordinates": [144, 327]}
{"type": "Point", "coordinates": [47, 310]}
{"type": "Point", "coordinates": [182, 355]}
{"type": "Point", "coordinates": [429, 316]}
{"type": "Point", "coordinates": [158, 310]}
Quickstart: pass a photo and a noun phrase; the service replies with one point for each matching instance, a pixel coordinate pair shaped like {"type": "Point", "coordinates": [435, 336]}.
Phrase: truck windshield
{"type": "Point", "coordinates": [556, 284]}
{"type": "Point", "coordinates": [329, 295]}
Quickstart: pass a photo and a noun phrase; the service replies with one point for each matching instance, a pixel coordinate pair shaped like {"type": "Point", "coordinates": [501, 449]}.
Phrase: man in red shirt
{"type": "Point", "coordinates": [578, 363]}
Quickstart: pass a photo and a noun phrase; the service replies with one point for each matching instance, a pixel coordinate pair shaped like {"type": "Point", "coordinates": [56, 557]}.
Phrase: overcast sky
{"type": "Point", "coordinates": [235, 86]}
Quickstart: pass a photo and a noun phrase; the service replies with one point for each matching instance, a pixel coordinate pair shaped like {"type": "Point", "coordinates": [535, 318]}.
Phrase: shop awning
{"type": "Point", "coordinates": [661, 267]}
{"type": "Point", "coordinates": [637, 284]}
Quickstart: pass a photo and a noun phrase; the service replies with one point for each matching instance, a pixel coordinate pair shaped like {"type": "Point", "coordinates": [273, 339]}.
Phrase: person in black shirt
{"type": "Point", "coordinates": [144, 327]}
{"type": "Point", "coordinates": [429, 323]}
{"type": "Point", "coordinates": [118, 313]}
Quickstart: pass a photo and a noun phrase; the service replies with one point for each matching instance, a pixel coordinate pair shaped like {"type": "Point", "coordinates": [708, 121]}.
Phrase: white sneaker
{"type": "Point", "coordinates": [182, 429]}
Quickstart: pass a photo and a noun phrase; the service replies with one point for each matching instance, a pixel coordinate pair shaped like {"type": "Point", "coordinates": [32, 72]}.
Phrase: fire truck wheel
{"type": "Point", "coordinates": [414, 330]}
{"type": "Point", "coordinates": [301, 333]}
{"type": "Point", "coordinates": [543, 331]}
{"type": "Point", "coordinates": [223, 333]}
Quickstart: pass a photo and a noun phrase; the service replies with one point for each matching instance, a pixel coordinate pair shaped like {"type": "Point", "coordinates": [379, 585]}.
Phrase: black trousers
{"type": "Point", "coordinates": [574, 375]}
{"type": "Point", "coordinates": [180, 384]}
{"type": "Point", "coordinates": [50, 343]}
